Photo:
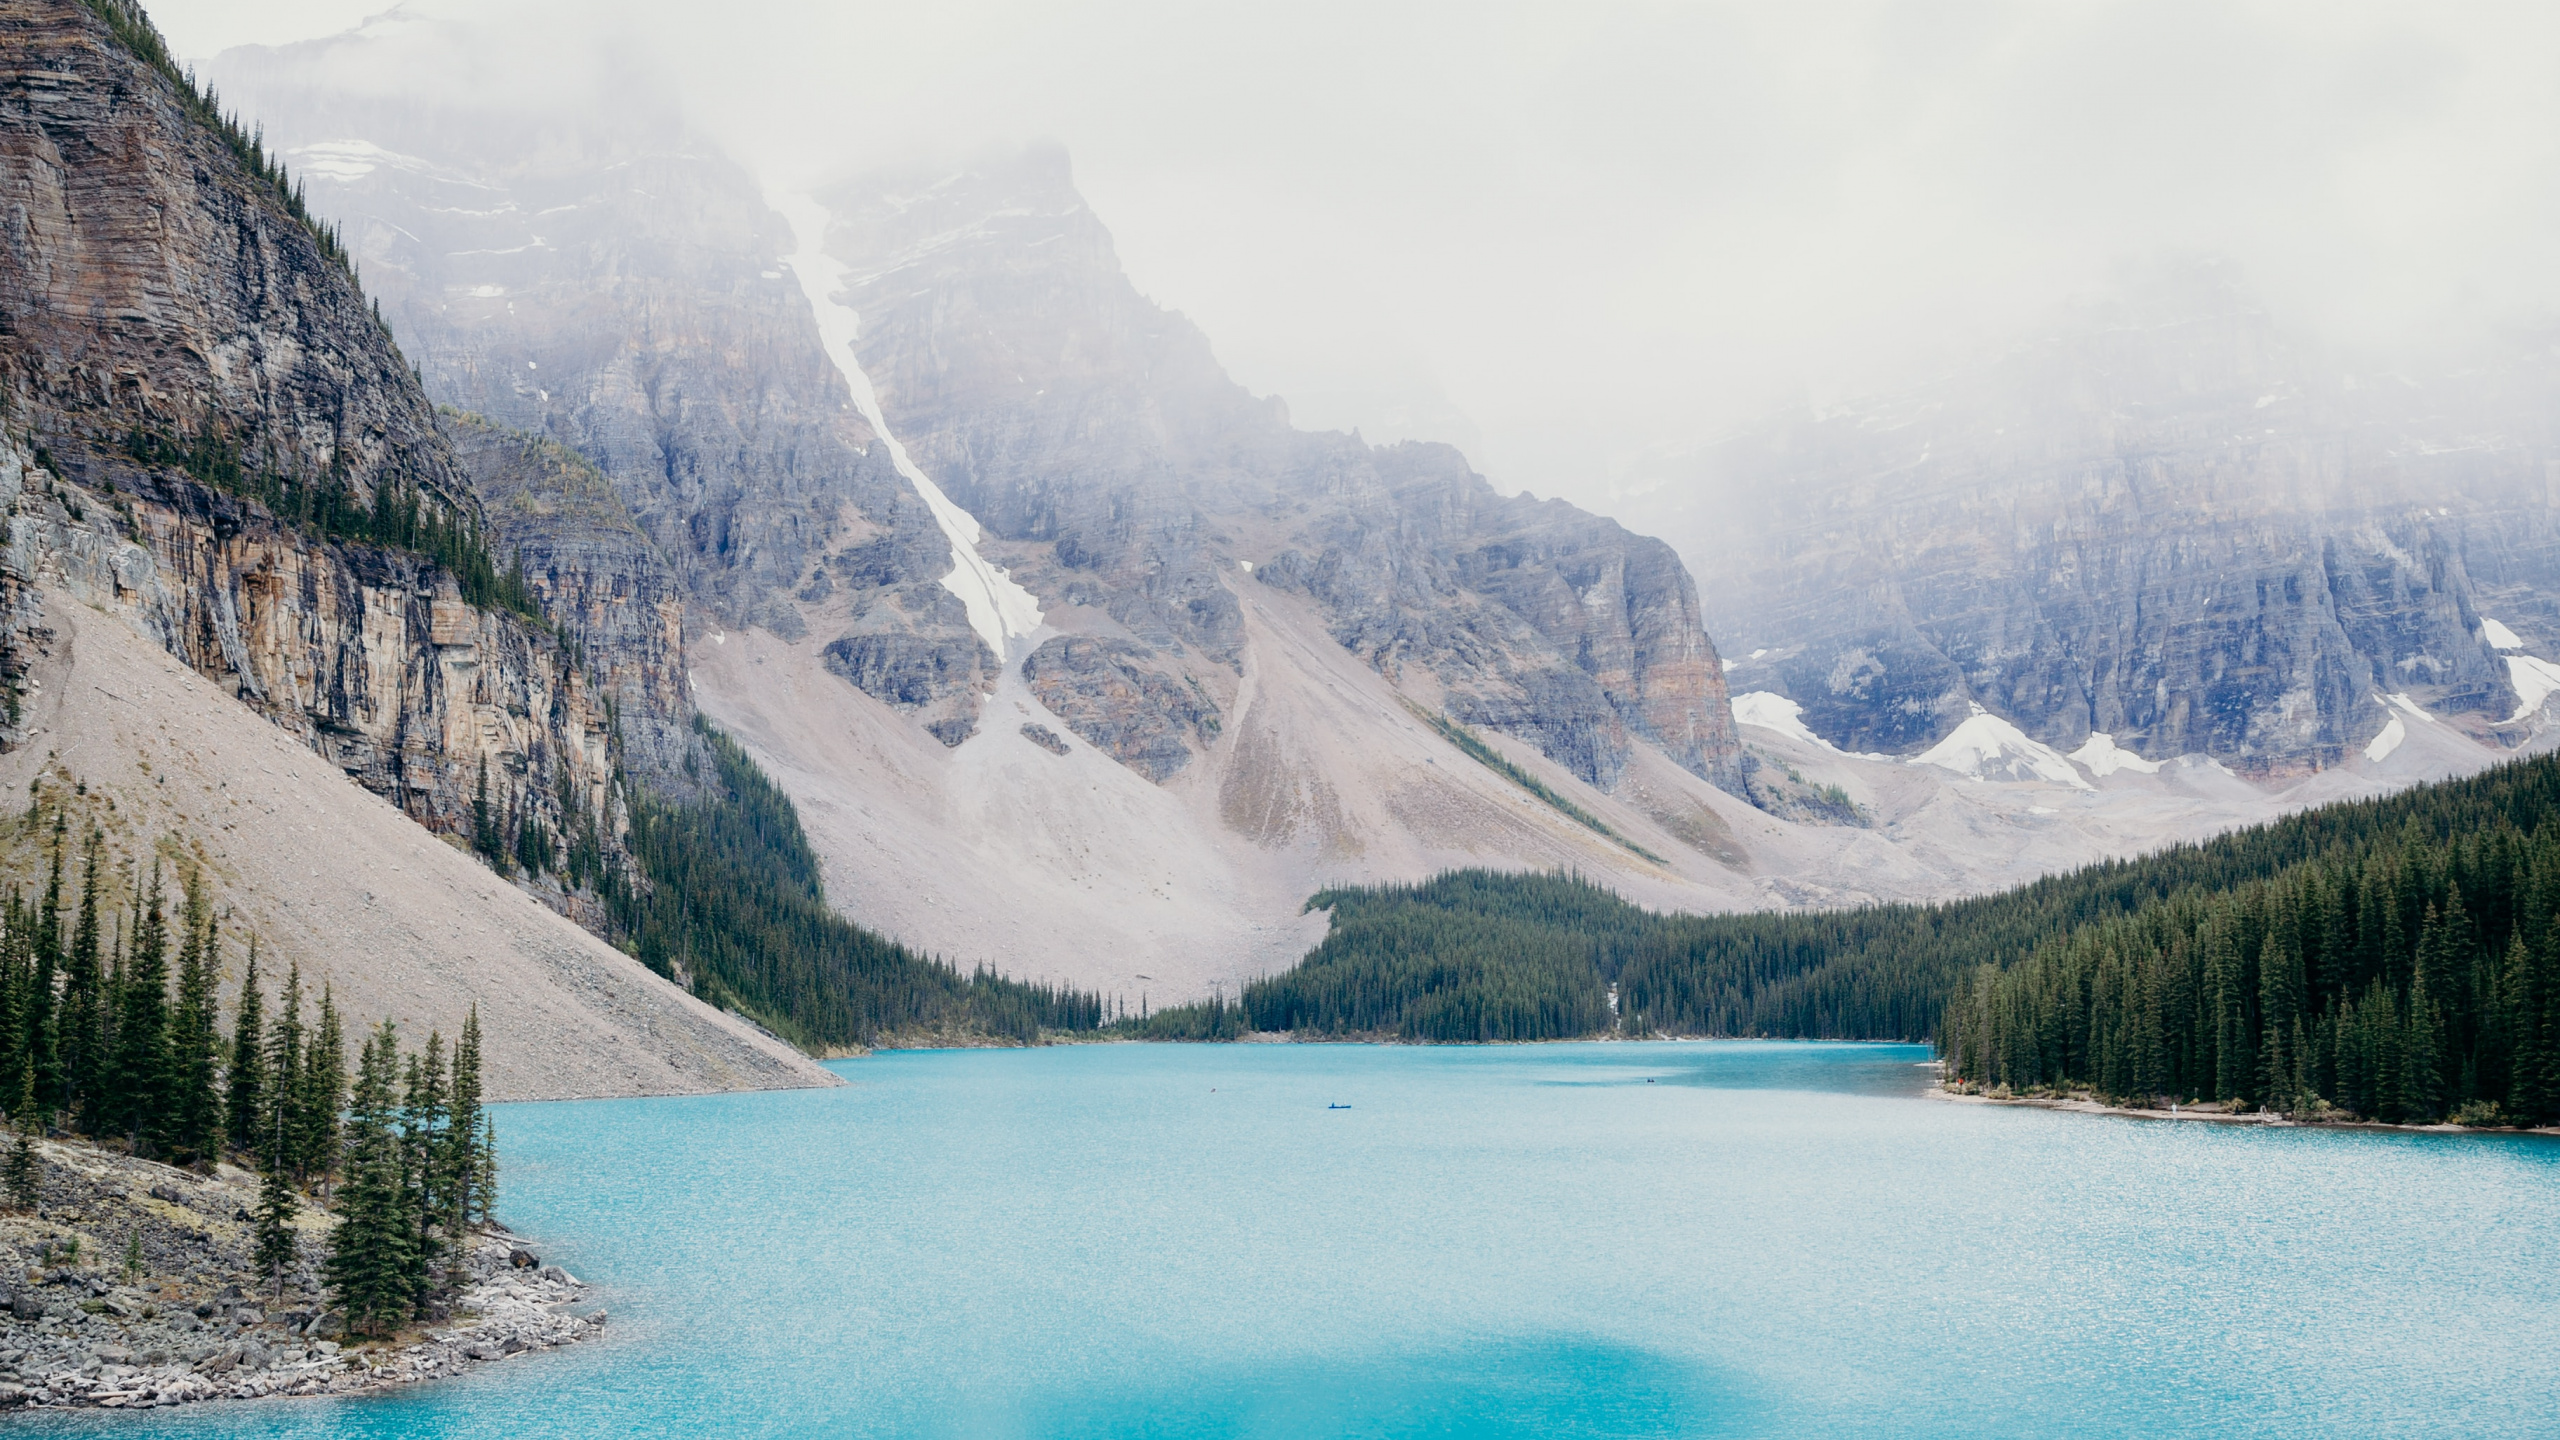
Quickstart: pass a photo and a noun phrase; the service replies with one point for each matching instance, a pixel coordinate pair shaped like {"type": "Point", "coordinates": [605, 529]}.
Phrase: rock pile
{"type": "Point", "coordinates": [131, 1286]}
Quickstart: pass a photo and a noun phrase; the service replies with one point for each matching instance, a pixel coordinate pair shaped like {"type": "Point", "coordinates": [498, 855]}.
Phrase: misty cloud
{"type": "Point", "coordinates": [1576, 239]}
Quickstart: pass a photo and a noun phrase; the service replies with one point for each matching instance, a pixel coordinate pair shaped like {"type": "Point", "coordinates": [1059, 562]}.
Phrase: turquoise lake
{"type": "Point", "coordinates": [1568, 1240]}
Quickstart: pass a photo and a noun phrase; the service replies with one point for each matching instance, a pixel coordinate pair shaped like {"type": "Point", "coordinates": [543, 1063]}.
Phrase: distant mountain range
{"type": "Point", "coordinates": [1076, 659]}
{"type": "Point", "coordinates": [2166, 521]}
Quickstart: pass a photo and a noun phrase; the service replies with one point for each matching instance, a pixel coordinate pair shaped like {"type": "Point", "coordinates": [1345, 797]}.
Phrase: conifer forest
{"type": "Point", "coordinates": [2394, 959]}
{"type": "Point", "coordinates": [109, 1030]}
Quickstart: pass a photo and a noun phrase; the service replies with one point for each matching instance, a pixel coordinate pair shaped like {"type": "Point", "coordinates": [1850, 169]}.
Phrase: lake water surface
{"type": "Point", "coordinates": [1565, 1240]}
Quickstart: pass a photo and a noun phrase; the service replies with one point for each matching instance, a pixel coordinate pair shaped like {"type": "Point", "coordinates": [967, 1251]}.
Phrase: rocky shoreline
{"type": "Point", "coordinates": [2084, 1103]}
{"type": "Point", "coordinates": [130, 1287]}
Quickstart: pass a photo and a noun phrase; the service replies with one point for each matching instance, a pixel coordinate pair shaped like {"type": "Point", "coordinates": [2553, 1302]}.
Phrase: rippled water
{"type": "Point", "coordinates": [1587, 1240]}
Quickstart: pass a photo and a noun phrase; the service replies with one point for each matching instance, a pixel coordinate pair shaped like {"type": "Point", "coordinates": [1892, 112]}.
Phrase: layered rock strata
{"type": "Point", "coordinates": [162, 303]}
{"type": "Point", "coordinates": [617, 288]}
{"type": "Point", "coordinates": [600, 582]}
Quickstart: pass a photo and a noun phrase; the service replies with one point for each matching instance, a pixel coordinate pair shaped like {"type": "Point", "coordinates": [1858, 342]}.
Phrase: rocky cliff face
{"type": "Point", "coordinates": [173, 336]}
{"type": "Point", "coordinates": [598, 579]}
{"type": "Point", "coordinates": [598, 276]}
{"type": "Point", "coordinates": [2166, 522]}
{"type": "Point", "coordinates": [1129, 482]}
{"type": "Point", "coordinates": [588, 272]}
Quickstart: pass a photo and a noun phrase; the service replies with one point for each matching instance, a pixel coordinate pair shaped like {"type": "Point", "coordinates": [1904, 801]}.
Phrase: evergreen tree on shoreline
{"type": "Point", "coordinates": [136, 1095]}
{"type": "Point", "coordinates": [373, 1261]}
{"type": "Point", "coordinates": [460, 1160]}
{"type": "Point", "coordinates": [423, 1116]}
{"type": "Point", "coordinates": [82, 983]}
{"type": "Point", "coordinates": [196, 1128]}
{"type": "Point", "coordinates": [276, 1211]}
{"type": "Point", "coordinates": [245, 1106]}
{"type": "Point", "coordinates": [284, 1077]}
{"type": "Point", "coordinates": [324, 1092]}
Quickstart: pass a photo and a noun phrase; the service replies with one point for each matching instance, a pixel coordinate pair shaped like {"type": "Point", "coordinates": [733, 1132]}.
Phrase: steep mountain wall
{"type": "Point", "coordinates": [1124, 475]}
{"type": "Point", "coordinates": [174, 341]}
{"type": "Point", "coordinates": [157, 291]}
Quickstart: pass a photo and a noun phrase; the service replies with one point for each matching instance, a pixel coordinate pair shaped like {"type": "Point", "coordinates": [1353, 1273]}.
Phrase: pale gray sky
{"type": "Point", "coordinates": [1576, 236]}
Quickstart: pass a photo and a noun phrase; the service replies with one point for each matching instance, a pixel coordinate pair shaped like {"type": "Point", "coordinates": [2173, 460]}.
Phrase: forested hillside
{"type": "Point", "coordinates": [2404, 967]}
{"type": "Point", "coordinates": [728, 901]}
{"type": "Point", "coordinates": [2394, 959]}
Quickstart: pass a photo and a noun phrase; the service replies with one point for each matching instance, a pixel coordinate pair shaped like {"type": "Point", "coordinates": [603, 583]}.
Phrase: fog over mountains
{"type": "Point", "coordinates": [2160, 569]}
{"type": "Point", "coordinates": [2164, 518]}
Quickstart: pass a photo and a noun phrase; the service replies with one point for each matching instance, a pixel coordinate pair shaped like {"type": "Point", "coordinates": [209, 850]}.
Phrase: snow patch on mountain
{"type": "Point", "coordinates": [1004, 614]}
{"type": "Point", "coordinates": [1987, 747]}
{"type": "Point", "coordinates": [2100, 756]}
{"type": "Point", "coordinates": [2393, 732]}
{"type": "Point", "coordinates": [2380, 746]}
{"type": "Point", "coordinates": [2399, 700]}
{"type": "Point", "coordinates": [2499, 636]}
{"type": "Point", "coordinates": [2534, 681]}
{"type": "Point", "coordinates": [1771, 711]}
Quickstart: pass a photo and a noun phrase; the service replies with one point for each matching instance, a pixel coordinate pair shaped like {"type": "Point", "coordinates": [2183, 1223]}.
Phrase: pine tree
{"type": "Point", "coordinates": [137, 1092]}
{"type": "Point", "coordinates": [82, 1018]}
{"type": "Point", "coordinates": [195, 1041]}
{"type": "Point", "coordinates": [2280, 987]}
{"type": "Point", "coordinates": [276, 1204]}
{"type": "Point", "coordinates": [464, 1120]}
{"type": "Point", "coordinates": [274, 1225]}
{"type": "Point", "coordinates": [2236, 1078]}
{"type": "Point", "coordinates": [2421, 1094]}
{"type": "Point", "coordinates": [284, 1077]}
{"type": "Point", "coordinates": [25, 1174]}
{"type": "Point", "coordinates": [324, 1091]}
{"type": "Point", "coordinates": [487, 824]}
{"type": "Point", "coordinates": [372, 1264]}
{"type": "Point", "coordinates": [424, 1114]}
{"type": "Point", "coordinates": [41, 1083]}
{"type": "Point", "coordinates": [2533, 1095]}
{"type": "Point", "coordinates": [245, 1106]}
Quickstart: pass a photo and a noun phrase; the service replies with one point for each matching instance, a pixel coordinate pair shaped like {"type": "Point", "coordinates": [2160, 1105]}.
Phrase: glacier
{"type": "Point", "coordinates": [1771, 711]}
{"type": "Point", "coordinates": [1987, 747]}
{"type": "Point", "coordinates": [2102, 757]}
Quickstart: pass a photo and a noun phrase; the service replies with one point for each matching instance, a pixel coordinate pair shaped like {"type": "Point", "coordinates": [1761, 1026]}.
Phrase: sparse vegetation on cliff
{"type": "Point", "coordinates": [138, 35]}
{"type": "Point", "coordinates": [398, 515]}
{"type": "Point", "coordinates": [1474, 748]}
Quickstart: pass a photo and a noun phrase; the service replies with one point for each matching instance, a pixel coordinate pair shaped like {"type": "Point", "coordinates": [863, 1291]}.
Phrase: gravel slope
{"type": "Point", "coordinates": [401, 924]}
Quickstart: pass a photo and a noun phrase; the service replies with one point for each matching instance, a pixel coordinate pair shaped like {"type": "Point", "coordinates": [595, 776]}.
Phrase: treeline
{"type": "Point", "coordinates": [729, 899]}
{"type": "Point", "coordinates": [1476, 955]}
{"type": "Point", "coordinates": [2406, 970]}
{"type": "Point", "coordinates": [1468, 956]}
{"type": "Point", "coordinates": [397, 515]}
{"type": "Point", "coordinates": [96, 1040]}
{"type": "Point", "coordinates": [2396, 959]}
{"type": "Point", "coordinates": [1480, 955]}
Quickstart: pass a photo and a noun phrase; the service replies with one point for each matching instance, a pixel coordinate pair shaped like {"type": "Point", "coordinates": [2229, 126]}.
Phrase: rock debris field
{"type": "Point", "coordinates": [131, 1286]}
